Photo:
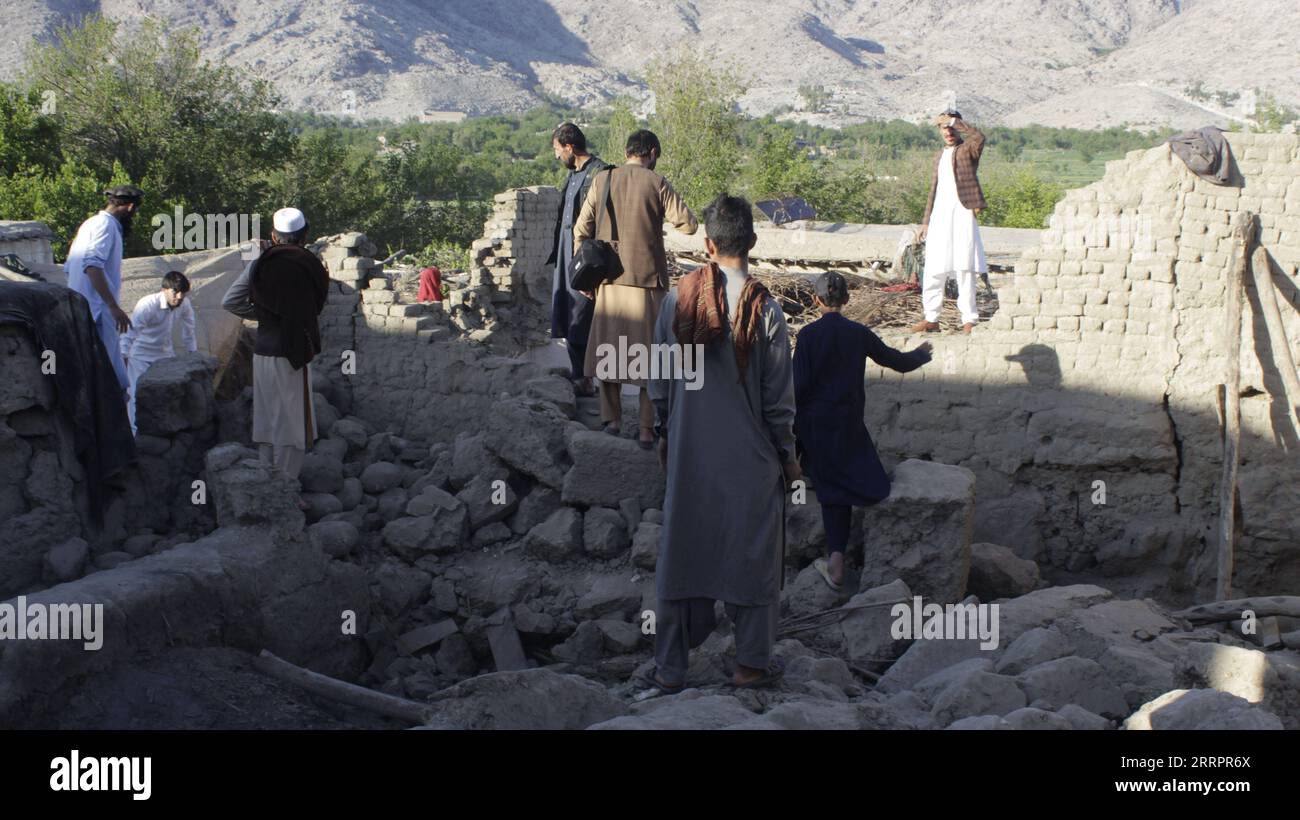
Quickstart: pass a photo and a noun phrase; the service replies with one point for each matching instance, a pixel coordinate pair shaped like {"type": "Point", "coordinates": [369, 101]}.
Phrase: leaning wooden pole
{"type": "Point", "coordinates": [1244, 233]}
{"type": "Point", "coordinates": [1264, 288]}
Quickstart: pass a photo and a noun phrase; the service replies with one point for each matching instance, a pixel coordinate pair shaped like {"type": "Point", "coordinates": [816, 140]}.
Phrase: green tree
{"type": "Point", "coordinates": [777, 166]}
{"type": "Point", "coordinates": [698, 124]}
{"type": "Point", "coordinates": [183, 129]}
{"type": "Point", "coordinates": [815, 98]}
{"type": "Point", "coordinates": [28, 137]}
{"type": "Point", "coordinates": [1270, 115]}
{"type": "Point", "coordinates": [62, 198]}
{"type": "Point", "coordinates": [1018, 198]}
{"type": "Point", "coordinates": [622, 122]}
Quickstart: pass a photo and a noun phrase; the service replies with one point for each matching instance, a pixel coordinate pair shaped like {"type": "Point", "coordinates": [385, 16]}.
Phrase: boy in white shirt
{"type": "Point", "coordinates": [150, 336]}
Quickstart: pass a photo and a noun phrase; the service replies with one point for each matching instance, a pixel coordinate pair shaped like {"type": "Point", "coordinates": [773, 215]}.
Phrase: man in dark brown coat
{"type": "Point", "coordinates": [628, 305]}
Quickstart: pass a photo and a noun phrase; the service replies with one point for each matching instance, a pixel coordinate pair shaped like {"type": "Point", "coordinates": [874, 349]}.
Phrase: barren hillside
{"type": "Point", "coordinates": [1058, 62]}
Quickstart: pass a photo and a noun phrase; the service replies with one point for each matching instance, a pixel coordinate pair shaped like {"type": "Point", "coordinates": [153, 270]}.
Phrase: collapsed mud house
{"type": "Point", "coordinates": [1063, 461]}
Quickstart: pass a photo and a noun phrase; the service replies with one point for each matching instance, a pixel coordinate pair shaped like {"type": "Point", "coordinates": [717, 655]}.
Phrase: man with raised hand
{"type": "Point", "coordinates": [952, 236]}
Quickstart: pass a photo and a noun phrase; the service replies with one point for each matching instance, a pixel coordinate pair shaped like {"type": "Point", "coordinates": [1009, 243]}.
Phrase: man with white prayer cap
{"type": "Point", "coordinates": [284, 289]}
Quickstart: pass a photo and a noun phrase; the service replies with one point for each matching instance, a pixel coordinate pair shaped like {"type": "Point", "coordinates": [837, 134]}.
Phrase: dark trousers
{"type": "Point", "coordinates": [577, 353]}
{"type": "Point", "coordinates": [683, 624]}
{"type": "Point", "coordinates": [836, 519]}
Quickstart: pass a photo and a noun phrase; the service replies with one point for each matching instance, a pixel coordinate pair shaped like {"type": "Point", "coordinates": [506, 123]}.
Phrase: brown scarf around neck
{"type": "Point", "coordinates": [700, 313]}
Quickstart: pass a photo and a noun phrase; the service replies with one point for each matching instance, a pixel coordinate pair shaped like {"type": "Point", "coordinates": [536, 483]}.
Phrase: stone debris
{"type": "Point", "coordinates": [425, 636]}
{"type": "Point", "coordinates": [503, 639]}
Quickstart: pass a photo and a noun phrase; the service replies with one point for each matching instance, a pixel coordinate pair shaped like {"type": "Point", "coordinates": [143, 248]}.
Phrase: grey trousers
{"type": "Point", "coordinates": [287, 459]}
{"type": "Point", "coordinates": [685, 623]}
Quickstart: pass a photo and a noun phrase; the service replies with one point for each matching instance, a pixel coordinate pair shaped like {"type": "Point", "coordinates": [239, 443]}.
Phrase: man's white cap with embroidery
{"type": "Point", "coordinates": [288, 220]}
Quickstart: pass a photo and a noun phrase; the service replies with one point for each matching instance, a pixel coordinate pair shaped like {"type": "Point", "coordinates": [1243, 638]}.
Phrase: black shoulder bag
{"type": "Point", "coordinates": [595, 260]}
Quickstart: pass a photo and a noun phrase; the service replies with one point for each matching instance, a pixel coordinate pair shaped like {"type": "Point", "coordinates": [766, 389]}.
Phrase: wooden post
{"type": "Point", "coordinates": [1243, 232]}
{"type": "Point", "coordinates": [1263, 279]}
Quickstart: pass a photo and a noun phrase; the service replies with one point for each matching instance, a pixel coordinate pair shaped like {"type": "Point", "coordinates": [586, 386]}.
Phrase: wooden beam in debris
{"type": "Point", "coordinates": [342, 691]}
{"type": "Point", "coordinates": [1263, 606]}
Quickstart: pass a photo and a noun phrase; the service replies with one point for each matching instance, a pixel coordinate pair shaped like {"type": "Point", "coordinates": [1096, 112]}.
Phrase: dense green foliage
{"type": "Point", "coordinates": [96, 108]}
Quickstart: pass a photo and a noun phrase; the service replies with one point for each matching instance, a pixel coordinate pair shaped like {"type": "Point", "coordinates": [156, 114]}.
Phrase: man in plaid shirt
{"type": "Point", "coordinates": [951, 234]}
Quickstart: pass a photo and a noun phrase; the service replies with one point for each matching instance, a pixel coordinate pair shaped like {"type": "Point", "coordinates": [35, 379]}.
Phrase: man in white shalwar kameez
{"type": "Point", "coordinates": [952, 236]}
{"type": "Point", "coordinates": [150, 336]}
{"type": "Point", "coordinates": [94, 269]}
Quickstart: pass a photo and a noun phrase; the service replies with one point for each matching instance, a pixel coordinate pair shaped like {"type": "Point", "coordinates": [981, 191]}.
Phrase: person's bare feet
{"type": "Point", "coordinates": [835, 564]}
{"type": "Point", "coordinates": [925, 327]}
{"type": "Point", "coordinates": [745, 674]}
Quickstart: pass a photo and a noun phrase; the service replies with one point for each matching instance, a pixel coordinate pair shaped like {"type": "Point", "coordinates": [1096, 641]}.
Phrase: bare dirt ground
{"type": "Point", "coordinates": [213, 688]}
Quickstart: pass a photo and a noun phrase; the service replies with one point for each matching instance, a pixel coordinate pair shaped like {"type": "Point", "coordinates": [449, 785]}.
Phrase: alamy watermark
{"type": "Point", "coordinates": [102, 774]}
{"type": "Point", "coordinates": [954, 622]}
{"type": "Point", "coordinates": [635, 361]}
{"type": "Point", "coordinates": [54, 622]}
{"type": "Point", "coordinates": [181, 231]}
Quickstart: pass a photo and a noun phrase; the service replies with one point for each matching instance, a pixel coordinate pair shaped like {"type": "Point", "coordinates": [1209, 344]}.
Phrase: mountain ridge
{"type": "Point", "coordinates": [1080, 63]}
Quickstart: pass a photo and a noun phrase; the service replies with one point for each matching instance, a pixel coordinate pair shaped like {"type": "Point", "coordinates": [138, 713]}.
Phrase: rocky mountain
{"type": "Point", "coordinates": [1055, 62]}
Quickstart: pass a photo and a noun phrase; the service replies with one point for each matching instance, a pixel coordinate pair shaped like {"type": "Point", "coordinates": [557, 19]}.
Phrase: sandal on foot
{"type": "Point", "coordinates": [611, 429]}
{"type": "Point", "coordinates": [771, 675]}
{"type": "Point", "coordinates": [824, 569]}
{"type": "Point", "coordinates": [651, 680]}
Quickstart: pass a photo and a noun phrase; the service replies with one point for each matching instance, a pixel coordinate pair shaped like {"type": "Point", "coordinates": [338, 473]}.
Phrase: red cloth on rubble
{"type": "Point", "coordinates": [430, 285]}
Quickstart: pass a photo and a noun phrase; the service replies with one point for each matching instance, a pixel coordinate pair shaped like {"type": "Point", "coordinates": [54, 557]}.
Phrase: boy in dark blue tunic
{"type": "Point", "coordinates": [830, 360]}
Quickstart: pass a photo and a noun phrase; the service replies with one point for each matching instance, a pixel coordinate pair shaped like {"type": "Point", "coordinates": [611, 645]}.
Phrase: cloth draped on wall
{"type": "Point", "coordinates": [85, 382]}
{"type": "Point", "coordinates": [1206, 153]}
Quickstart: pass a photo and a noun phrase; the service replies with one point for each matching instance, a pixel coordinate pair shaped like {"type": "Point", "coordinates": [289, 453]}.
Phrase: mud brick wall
{"type": "Point", "coordinates": [517, 240]}
{"type": "Point", "coordinates": [1103, 364]}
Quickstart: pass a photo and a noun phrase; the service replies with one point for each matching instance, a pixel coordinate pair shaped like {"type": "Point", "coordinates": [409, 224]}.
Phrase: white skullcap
{"type": "Point", "coordinates": [288, 220]}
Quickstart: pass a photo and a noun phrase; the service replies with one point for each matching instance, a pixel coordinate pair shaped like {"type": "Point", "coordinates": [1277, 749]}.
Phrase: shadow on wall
{"type": "Point", "coordinates": [1095, 487]}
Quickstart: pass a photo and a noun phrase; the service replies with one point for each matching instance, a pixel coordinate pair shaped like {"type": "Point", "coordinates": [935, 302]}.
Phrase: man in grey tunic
{"type": "Point", "coordinates": [571, 309]}
{"type": "Point", "coordinates": [728, 448]}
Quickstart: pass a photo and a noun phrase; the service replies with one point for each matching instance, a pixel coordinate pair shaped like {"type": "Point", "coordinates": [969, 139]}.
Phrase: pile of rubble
{"type": "Point", "coordinates": [511, 576]}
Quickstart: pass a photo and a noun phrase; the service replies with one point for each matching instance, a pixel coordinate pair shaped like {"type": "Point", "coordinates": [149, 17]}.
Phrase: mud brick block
{"type": "Point", "coordinates": [426, 636]}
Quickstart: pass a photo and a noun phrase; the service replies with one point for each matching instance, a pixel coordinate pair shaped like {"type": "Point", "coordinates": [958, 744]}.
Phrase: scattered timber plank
{"type": "Point", "coordinates": [1263, 606]}
{"type": "Point", "coordinates": [342, 691]}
